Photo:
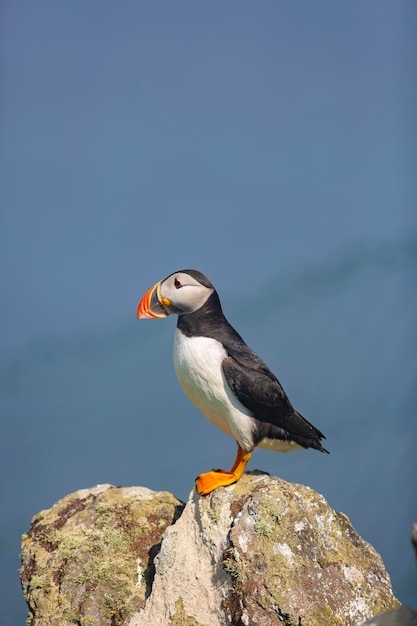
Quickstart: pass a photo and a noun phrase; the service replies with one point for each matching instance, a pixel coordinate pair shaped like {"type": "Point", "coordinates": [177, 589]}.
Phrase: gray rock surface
{"type": "Point", "coordinates": [401, 616]}
{"type": "Point", "coordinates": [262, 551]}
{"type": "Point", "coordinates": [414, 538]}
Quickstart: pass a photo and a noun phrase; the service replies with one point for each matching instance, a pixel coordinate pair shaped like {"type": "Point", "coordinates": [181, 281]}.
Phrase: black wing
{"type": "Point", "coordinates": [256, 387]}
{"type": "Point", "coordinates": [252, 382]}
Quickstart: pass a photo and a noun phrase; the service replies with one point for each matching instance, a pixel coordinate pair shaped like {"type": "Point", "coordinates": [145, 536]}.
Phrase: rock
{"type": "Point", "coordinates": [400, 616]}
{"type": "Point", "coordinates": [414, 537]}
{"type": "Point", "coordinates": [89, 559]}
{"type": "Point", "coordinates": [262, 551]}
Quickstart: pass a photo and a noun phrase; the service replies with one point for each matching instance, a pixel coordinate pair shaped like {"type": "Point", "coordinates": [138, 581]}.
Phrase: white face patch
{"type": "Point", "coordinates": [198, 365]}
{"type": "Point", "coordinates": [184, 292]}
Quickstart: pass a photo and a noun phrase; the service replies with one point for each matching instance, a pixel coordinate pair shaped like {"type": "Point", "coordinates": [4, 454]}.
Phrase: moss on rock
{"type": "Point", "coordinates": [262, 551]}
{"type": "Point", "coordinates": [89, 559]}
{"type": "Point", "coordinates": [299, 561]}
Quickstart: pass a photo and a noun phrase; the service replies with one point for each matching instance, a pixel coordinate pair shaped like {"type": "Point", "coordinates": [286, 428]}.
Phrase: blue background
{"type": "Point", "coordinates": [271, 145]}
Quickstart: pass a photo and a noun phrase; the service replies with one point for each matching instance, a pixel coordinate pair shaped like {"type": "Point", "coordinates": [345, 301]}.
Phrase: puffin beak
{"type": "Point", "coordinates": [152, 305]}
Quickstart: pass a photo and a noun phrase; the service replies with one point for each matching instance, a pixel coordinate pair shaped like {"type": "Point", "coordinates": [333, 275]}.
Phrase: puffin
{"type": "Point", "coordinates": [223, 377]}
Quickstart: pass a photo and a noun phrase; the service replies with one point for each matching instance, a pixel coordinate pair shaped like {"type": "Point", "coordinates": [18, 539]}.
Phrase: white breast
{"type": "Point", "coordinates": [197, 363]}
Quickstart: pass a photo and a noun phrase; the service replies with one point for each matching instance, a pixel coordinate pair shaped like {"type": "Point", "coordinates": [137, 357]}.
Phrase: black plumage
{"type": "Point", "coordinates": [250, 379]}
{"type": "Point", "coordinates": [223, 377]}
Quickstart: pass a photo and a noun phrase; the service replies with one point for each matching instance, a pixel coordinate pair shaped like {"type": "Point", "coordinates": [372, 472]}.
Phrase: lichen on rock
{"type": "Point", "coordinates": [89, 559]}
{"type": "Point", "coordinates": [300, 561]}
{"type": "Point", "coordinates": [262, 551]}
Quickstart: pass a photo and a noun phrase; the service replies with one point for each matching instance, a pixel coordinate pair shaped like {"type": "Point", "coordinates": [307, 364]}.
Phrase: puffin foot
{"type": "Point", "coordinates": [208, 482]}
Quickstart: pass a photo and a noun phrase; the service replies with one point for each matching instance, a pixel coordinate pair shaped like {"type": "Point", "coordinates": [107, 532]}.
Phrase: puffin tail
{"type": "Point", "coordinates": [312, 436]}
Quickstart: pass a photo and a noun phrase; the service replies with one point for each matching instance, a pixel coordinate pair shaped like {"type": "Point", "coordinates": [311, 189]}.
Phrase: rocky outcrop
{"type": "Point", "coordinates": [89, 559]}
{"type": "Point", "coordinates": [262, 551]}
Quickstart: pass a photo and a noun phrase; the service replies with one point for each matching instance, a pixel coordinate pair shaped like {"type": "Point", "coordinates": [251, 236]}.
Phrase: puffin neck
{"type": "Point", "coordinates": [206, 317]}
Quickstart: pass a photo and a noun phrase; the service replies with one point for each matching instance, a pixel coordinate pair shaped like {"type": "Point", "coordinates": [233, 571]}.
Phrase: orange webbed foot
{"type": "Point", "coordinates": [208, 482]}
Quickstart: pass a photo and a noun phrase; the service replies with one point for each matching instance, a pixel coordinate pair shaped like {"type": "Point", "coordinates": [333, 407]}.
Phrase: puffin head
{"type": "Point", "coordinates": [182, 292]}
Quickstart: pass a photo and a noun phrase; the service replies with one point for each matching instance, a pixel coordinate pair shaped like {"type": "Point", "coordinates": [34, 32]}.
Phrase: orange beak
{"type": "Point", "coordinates": [150, 306]}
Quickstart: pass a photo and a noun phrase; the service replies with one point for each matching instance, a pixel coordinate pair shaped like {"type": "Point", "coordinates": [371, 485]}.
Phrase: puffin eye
{"type": "Point", "coordinates": [177, 283]}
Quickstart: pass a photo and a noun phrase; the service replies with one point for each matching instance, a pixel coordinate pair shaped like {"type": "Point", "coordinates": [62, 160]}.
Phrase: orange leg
{"type": "Point", "coordinates": [206, 483]}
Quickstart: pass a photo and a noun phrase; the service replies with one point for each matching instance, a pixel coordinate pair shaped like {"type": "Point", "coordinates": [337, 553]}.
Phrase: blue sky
{"type": "Point", "coordinates": [236, 138]}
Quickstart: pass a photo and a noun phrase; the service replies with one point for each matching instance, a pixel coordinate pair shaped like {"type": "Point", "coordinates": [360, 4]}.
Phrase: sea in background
{"type": "Point", "coordinates": [87, 408]}
{"type": "Point", "coordinates": [271, 146]}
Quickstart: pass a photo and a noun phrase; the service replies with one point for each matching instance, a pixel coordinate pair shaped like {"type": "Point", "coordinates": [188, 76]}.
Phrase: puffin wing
{"type": "Point", "coordinates": [256, 387]}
